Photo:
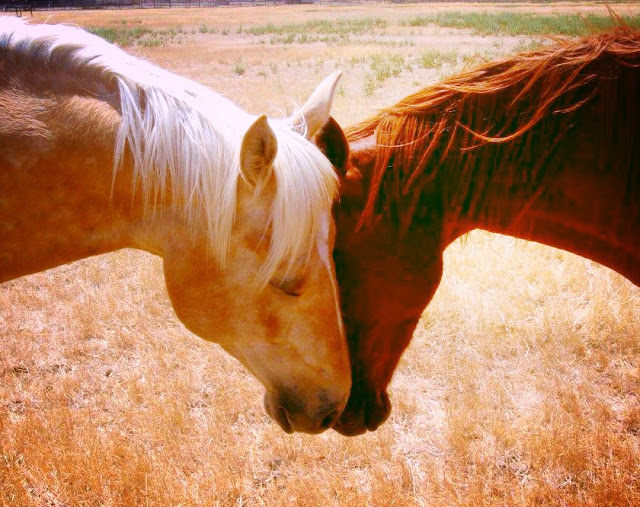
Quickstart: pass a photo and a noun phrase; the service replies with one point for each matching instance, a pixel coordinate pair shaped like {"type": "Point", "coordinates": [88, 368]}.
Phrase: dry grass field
{"type": "Point", "coordinates": [521, 385]}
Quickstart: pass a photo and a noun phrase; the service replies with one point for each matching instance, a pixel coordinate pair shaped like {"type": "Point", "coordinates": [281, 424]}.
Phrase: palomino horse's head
{"type": "Point", "coordinates": [274, 304]}
{"type": "Point", "coordinates": [238, 207]}
{"type": "Point", "coordinates": [384, 286]}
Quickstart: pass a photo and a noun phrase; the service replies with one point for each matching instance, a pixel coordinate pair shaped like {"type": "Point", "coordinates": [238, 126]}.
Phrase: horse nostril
{"type": "Point", "coordinates": [285, 422]}
{"type": "Point", "coordinates": [330, 420]}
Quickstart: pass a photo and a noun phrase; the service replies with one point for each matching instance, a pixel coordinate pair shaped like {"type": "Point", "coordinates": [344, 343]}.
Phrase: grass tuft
{"type": "Point", "coordinates": [239, 67]}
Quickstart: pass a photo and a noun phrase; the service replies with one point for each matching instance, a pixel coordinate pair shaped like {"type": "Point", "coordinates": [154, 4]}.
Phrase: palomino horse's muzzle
{"type": "Point", "coordinates": [296, 413]}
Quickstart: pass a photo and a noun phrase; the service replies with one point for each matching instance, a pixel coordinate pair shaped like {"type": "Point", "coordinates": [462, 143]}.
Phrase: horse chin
{"type": "Point", "coordinates": [351, 423]}
{"type": "Point", "coordinates": [362, 414]}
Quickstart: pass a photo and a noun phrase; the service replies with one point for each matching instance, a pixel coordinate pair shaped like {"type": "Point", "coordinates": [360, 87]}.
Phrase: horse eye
{"type": "Point", "coordinates": [289, 286]}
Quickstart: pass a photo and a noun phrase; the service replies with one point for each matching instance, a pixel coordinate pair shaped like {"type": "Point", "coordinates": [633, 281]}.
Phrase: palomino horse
{"type": "Point", "coordinates": [101, 151]}
{"type": "Point", "coordinates": [543, 146]}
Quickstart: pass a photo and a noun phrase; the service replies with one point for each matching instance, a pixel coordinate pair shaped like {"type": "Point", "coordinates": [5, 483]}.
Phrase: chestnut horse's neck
{"type": "Point", "coordinates": [543, 146]}
{"type": "Point", "coordinates": [572, 181]}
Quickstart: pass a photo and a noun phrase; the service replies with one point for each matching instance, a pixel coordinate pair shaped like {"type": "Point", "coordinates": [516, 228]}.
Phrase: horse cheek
{"type": "Point", "coordinates": [193, 297]}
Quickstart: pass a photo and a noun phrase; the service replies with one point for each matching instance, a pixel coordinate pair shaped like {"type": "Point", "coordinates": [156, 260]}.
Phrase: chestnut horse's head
{"type": "Point", "coordinates": [386, 279]}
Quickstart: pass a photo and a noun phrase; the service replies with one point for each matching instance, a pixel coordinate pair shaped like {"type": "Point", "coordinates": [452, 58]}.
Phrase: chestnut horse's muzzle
{"type": "Point", "coordinates": [295, 413]}
{"type": "Point", "coordinates": [364, 411]}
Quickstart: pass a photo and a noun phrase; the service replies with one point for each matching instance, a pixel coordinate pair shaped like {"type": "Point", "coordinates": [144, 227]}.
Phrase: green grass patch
{"type": "Point", "coordinates": [135, 35]}
{"type": "Point", "coordinates": [121, 35]}
{"type": "Point", "coordinates": [528, 45]}
{"type": "Point", "coordinates": [239, 67]}
{"type": "Point", "coordinates": [385, 66]}
{"type": "Point", "coordinates": [511, 23]}
{"type": "Point", "coordinates": [339, 27]}
{"type": "Point", "coordinates": [434, 59]}
{"type": "Point", "coordinates": [207, 29]}
{"type": "Point", "coordinates": [381, 67]}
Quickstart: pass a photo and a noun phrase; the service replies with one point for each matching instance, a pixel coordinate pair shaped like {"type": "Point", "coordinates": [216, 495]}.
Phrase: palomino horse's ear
{"type": "Point", "coordinates": [315, 113]}
{"type": "Point", "coordinates": [259, 148]}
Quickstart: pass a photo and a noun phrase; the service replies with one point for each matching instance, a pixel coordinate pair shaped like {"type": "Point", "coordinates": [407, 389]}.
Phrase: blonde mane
{"type": "Point", "coordinates": [186, 138]}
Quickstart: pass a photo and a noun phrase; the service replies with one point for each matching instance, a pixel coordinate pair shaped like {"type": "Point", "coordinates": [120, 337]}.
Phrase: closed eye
{"type": "Point", "coordinates": [290, 287]}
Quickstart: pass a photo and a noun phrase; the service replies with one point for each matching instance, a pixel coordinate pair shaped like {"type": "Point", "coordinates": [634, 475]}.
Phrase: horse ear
{"type": "Point", "coordinates": [315, 113]}
{"type": "Point", "coordinates": [258, 151]}
{"type": "Point", "coordinates": [332, 142]}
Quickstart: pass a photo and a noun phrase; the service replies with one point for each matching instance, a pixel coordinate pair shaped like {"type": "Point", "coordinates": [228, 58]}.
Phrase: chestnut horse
{"type": "Point", "coordinates": [543, 146]}
{"type": "Point", "coordinates": [101, 151]}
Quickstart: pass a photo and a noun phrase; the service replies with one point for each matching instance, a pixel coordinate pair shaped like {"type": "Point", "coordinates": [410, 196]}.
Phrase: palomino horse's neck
{"type": "Point", "coordinates": [59, 198]}
{"type": "Point", "coordinates": [58, 201]}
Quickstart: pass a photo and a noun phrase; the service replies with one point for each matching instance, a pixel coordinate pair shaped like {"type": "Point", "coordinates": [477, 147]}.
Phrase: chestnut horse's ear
{"type": "Point", "coordinates": [332, 142]}
{"type": "Point", "coordinates": [258, 151]}
{"type": "Point", "coordinates": [315, 113]}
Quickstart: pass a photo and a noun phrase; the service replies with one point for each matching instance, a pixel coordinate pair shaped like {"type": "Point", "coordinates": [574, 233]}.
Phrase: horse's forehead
{"type": "Point", "coordinates": [362, 146]}
{"type": "Point", "coordinates": [362, 154]}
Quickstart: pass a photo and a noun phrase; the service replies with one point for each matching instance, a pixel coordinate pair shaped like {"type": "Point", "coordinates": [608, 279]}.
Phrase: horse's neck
{"type": "Point", "coordinates": [572, 181]}
{"type": "Point", "coordinates": [57, 202]}
{"type": "Point", "coordinates": [586, 219]}
{"type": "Point", "coordinates": [588, 202]}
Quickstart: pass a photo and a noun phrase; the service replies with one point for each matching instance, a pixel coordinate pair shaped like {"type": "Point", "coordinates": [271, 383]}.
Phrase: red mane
{"type": "Point", "coordinates": [514, 110]}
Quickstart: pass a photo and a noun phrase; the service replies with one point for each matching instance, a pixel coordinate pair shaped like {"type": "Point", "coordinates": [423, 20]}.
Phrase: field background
{"type": "Point", "coordinates": [522, 383]}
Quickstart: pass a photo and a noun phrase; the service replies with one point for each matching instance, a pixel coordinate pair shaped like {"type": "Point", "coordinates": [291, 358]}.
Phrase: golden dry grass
{"type": "Point", "coordinates": [521, 386]}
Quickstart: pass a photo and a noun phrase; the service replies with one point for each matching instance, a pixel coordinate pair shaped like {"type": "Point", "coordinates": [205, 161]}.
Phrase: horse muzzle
{"type": "Point", "coordinates": [294, 413]}
{"type": "Point", "coordinates": [363, 412]}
